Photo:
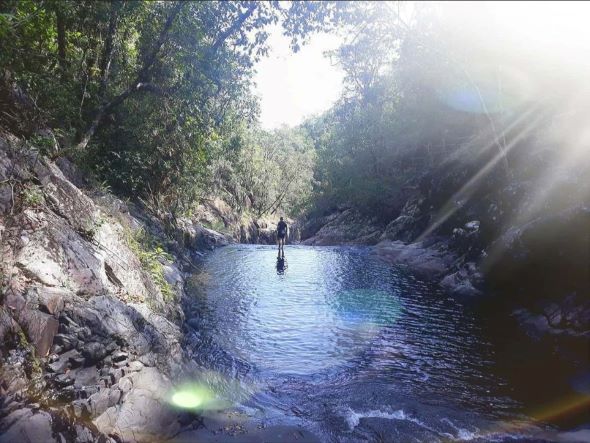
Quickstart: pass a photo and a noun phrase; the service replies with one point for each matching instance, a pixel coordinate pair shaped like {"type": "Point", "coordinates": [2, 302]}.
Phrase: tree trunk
{"type": "Point", "coordinates": [61, 40]}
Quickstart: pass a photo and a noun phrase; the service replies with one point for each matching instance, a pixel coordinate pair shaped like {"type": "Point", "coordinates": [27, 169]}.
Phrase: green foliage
{"type": "Point", "coordinates": [150, 253]}
{"type": "Point", "coordinates": [263, 172]}
{"type": "Point", "coordinates": [151, 84]}
{"type": "Point", "coordinates": [32, 196]}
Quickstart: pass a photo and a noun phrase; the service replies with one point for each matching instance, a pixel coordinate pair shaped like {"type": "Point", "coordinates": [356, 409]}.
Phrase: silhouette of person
{"type": "Point", "coordinates": [282, 229]}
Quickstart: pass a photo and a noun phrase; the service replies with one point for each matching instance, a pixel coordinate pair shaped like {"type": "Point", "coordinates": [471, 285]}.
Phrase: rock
{"type": "Point", "coordinates": [67, 268]}
{"type": "Point", "coordinates": [67, 200]}
{"type": "Point", "coordinates": [119, 356]}
{"type": "Point", "coordinates": [40, 328]}
{"type": "Point", "coordinates": [80, 408]}
{"type": "Point", "coordinates": [463, 282]}
{"type": "Point", "coordinates": [135, 366]}
{"type": "Point", "coordinates": [25, 425]}
{"type": "Point", "coordinates": [71, 172]}
{"type": "Point", "coordinates": [144, 415]}
{"type": "Point", "coordinates": [104, 399]}
{"type": "Point", "coordinates": [62, 362]}
{"type": "Point", "coordinates": [9, 329]}
{"type": "Point", "coordinates": [87, 391]}
{"type": "Point", "coordinates": [402, 228]}
{"type": "Point", "coordinates": [346, 227]}
{"type": "Point", "coordinates": [116, 374]}
{"type": "Point", "coordinates": [52, 300]}
{"type": "Point", "coordinates": [125, 384]}
{"type": "Point", "coordinates": [472, 225]}
{"type": "Point", "coordinates": [84, 376]}
{"type": "Point", "coordinates": [429, 261]}
{"type": "Point", "coordinates": [63, 380]}
{"type": "Point", "coordinates": [77, 361]}
{"type": "Point", "coordinates": [173, 276]}
{"type": "Point", "coordinates": [67, 342]}
{"type": "Point", "coordinates": [94, 351]}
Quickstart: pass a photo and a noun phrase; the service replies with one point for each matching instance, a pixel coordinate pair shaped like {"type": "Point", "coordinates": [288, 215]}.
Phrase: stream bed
{"type": "Point", "coordinates": [333, 344]}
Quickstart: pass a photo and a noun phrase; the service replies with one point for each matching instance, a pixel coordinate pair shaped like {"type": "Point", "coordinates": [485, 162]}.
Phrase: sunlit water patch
{"type": "Point", "coordinates": [345, 343]}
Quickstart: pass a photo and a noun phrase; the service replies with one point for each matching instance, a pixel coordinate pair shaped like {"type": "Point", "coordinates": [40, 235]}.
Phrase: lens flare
{"type": "Point", "coordinates": [192, 396]}
{"type": "Point", "coordinates": [187, 399]}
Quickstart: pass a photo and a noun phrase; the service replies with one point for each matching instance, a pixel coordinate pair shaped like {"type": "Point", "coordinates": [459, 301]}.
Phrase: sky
{"type": "Point", "coordinates": [294, 86]}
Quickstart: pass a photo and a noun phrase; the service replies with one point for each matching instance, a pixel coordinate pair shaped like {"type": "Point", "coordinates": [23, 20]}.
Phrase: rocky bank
{"type": "Point", "coordinates": [536, 266]}
{"type": "Point", "coordinates": [90, 312]}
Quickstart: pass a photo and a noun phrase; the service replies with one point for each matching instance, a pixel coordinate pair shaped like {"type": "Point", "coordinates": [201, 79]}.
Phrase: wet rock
{"type": "Point", "coordinates": [464, 282]}
{"type": "Point", "coordinates": [472, 226]}
{"type": "Point", "coordinates": [430, 261]}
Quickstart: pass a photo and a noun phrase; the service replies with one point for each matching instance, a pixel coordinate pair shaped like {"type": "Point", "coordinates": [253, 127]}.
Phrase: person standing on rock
{"type": "Point", "coordinates": [281, 235]}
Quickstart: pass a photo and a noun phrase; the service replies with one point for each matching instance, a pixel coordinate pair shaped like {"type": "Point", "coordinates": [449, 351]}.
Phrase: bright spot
{"type": "Point", "coordinates": [193, 395]}
{"type": "Point", "coordinates": [187, 399]}
{"type": "Point", "coordinates": [294, 86]}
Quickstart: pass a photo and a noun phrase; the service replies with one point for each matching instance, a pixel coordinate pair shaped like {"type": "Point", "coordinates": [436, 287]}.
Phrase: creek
{"type": "Point", "coordinates": [342, 345]}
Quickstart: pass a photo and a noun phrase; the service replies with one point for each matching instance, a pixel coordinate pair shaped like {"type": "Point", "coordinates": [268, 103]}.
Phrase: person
{"type": "Point", "coordinates": [281, 235]}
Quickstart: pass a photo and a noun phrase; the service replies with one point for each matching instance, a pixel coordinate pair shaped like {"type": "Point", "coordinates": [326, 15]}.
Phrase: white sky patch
{"type": "Point", "coordinates": [294, 86]}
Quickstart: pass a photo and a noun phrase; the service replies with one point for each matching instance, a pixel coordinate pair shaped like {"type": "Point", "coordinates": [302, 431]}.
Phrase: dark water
{"type": "Point", "coordinates": [340, 343]}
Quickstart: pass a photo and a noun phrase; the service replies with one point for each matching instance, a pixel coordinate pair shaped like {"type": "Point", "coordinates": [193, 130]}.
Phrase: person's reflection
{"type": "Point", "coordinates": [281, 264]}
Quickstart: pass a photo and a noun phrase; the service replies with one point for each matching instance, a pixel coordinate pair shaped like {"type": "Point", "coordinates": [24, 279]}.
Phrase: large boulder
{"type": "Point", "coordinates": [199, 238]}
{"type": "Point", "coordinates": [408, 225]}
{"type": "Point", "coordinates": [27, 425]}
{"type": "Point", "coordinates": [348, 227]}
{"type": "Point", "coordinates": [144, 415]}
{"type": "Point", "coordinates": [428, 260]}
{"type": "Point", "coordinates": [66, 199]}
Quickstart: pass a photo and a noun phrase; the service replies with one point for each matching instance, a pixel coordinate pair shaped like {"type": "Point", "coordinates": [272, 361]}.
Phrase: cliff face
{"type": "Point", "coordinates": [90, 316]}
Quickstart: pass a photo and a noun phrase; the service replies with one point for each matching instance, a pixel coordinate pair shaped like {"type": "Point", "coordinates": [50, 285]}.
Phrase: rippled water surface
{"type": "Point", "coordinates": [345, 344]}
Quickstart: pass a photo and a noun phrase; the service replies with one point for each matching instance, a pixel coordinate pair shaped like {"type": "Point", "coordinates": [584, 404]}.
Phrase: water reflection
{"type": "Point", "coordinates": [339, 310]}
{"type": "Point", "coordinates": [281, 265]}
